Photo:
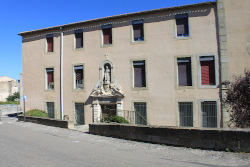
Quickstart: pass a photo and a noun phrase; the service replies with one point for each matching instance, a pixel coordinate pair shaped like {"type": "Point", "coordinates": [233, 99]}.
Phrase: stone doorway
{"type": "Point", "coordinates": [108, 110]}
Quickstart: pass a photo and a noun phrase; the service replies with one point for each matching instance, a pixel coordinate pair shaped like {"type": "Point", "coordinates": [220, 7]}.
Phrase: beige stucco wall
{"type": "Point", "coordinates": [238, 33]}
{"type": "Point", "coordinates": [8, 86]}
{"type": "Point", "coordinates": [159, 50]}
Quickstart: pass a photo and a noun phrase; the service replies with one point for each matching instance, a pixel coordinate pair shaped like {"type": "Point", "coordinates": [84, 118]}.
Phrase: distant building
{"type": "Point", "coordinates": [8, 86]}
{"type": "Point", "coordinates": [166, 64]}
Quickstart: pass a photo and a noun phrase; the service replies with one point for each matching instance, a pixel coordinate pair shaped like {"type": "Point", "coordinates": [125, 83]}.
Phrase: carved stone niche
{"type": "Point", "coordinates": [107, 91]}
{"type": "Point", "coordinates": [107, 85]}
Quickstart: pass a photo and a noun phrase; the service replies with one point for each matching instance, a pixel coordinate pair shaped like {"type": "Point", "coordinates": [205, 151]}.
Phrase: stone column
{"type": "Point", "coordinates": [119, 107]}
{"type": "Point", "coordinates": [96, 110]}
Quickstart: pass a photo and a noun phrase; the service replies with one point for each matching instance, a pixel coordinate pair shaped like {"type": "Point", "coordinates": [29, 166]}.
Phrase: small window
{"type": "Point", "coordinates": [209, 114]}
{"type": "Point", "coordinates": [78, 76]}
{"type": "Point", "coordinates": [138, 32]}
{"type": "Point", "coordinates": [139, 73]}
{"type": "Point", "coordinates": [79, 113]}
{"type": "Point", "coordinates": [184, 71]}
{"type": "Point", "coordinates": [207, 70]}
{"type": "Point", "coordinates": [107, 34]}
{"type": "Point", "coordinates": [78, 39]}
{"type": "Point", "coordinates": [49, 39]}
{"type": "Point", "coordinates": [50, 78]}
{"type": "Point", "coordinates": [182, 29]}
{"type": "Point", "coordinates": [186, 113]}
{"type": "Point", "coordinates": [140, 113]}
{"type": "Point", "coordinates": [50, 109]}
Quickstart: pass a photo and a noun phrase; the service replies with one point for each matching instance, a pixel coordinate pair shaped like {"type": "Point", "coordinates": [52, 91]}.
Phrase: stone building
{"type": "Point", "coordinates": [8, 86]}
{"type": "Point", "coordinates": [165, 64]}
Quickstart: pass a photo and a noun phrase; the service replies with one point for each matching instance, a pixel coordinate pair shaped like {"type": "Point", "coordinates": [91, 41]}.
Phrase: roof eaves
{"type": "Point", "coordinates": [120, 15]}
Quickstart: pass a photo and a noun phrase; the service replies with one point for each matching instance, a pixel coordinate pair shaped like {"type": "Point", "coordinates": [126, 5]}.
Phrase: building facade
{"type": "Point", "coordinates": [8, 86]}
{"type": "Point", "coordinates": [167, 65]}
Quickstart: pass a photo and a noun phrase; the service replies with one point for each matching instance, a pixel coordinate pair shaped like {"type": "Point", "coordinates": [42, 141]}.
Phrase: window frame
{"type": "Point", "coordinates": [51, 35]}
{"type": "Point", "coordinates": [178, 111]}
{"type": "Point", "coordinates": [46, 88]}
{"type": "Point", "coordinates": [78, 31]}
{"type": "Point", "coordinates": [177, 75]}
{"type": "Point", "coordinates": [46, 109]}
{"type": "Point", "coordinates": [132, 30]}
{"type": "Point", "coordinates": [132, 74]}
{"type": "Point", "coordinates": [74, 77]}
{"type": "Point", "coordinates": [133, 109]}
{"type": "Point", "coordinates": [217, 108]}
{"type": "Point", "coordinates": [75, 115]}
{"type": "Point", "coordinates": [104, 27]}
{"type": "Point", "coordinates": [175, 25]}
{"type": "Point", "coordinates": [216, 77]}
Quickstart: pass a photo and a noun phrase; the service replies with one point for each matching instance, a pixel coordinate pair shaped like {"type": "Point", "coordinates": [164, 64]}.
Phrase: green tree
{"type": "Point", "coordinates": [238, 99]}
{"type": "Point", "coordinates": [16, 95]}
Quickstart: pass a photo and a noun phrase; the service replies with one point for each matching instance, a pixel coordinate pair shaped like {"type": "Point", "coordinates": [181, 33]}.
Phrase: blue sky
{"type": "Point", "coordinates": [24, 15]}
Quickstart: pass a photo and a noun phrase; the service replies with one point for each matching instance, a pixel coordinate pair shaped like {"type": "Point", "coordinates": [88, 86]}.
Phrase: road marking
{"type": "Point", "coordinates": [10, 122]}
{"type": "Point", "coordinates": [1, 123]}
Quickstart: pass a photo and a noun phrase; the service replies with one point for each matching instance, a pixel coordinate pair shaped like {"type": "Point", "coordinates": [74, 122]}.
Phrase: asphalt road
{"type": "Point", "coordinates": [33, 145]}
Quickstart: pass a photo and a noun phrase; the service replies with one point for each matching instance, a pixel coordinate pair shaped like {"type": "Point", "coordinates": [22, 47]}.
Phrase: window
{"type": "Point", "coordinates": [79, 113]}
{"type": "Point", "coordinates": [140, 113]}
{"type": "Point", "coordinates": [78, 75]}
{"type": "Point", "coordinates": [207, 70]}
{"type": "Point", "coordinates": [50, 109]}
{"type": "Point", "coordinates": [184, 71]}
{"type": "Point", "coordinates": [107, 34]}
{"type": "Point", "coordinates": [50, 78]}
{"type": "Point", "coordinates": [186, 113]}
{"type": "Point", "coordinates": [49, 39]}
{"type": "Point", "coordinates": [182, 29]}
{"type": "Point", "coordinates": [139, 73]}
{"type": "Point", "coordinates": [138, 32]}
{"type": "Point", "coordinates": [209, 114]}
{"type": "Point", "coordinates": [78, 39]}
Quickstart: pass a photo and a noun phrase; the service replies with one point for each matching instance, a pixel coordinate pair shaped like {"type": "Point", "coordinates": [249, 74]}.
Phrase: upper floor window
{"type": "Point", "coordinates": [50, 78]}
{"type": "Point", "coordinates": [50, 42]}
{"type": "Point", "coordinates": [78, 39]}
{"type": "Point", "coordinates": [138, 32]}
{"type": "Point", "coordinates": [107, 34]}
{"type": "Point", "coordinates": [182, 27]}
{"type": "Point", "coordinates": [139, 72]}
{"type": "Point", "coordinates": [78, 76]}
{"type": "Point", "coordinates": [184, 71]}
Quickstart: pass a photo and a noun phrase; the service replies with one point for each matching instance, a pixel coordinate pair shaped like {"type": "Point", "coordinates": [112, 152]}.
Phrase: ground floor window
{"type": "Point", "coordinates": [79, 113]}
{"type": "Point", "coordinates": [140, 113]}
{"type": "Point", "coordinates": [50, 109]}
{"type": "Point", "coordinates": [209, 114]}
{"type": "Point", "coordinates": [186, 113]}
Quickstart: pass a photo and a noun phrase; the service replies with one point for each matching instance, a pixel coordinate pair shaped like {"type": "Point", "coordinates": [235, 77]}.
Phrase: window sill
{"type": "Point", "coordinates": [78, 90]}
{"type": "Point", "coordinates": [137, 42]}
{"type": "Point", "coordinates": [139, 88]}
{"type": "Point", "coordinates": [182, 37]}
{"type": "Point", "coordinates": [49, 52]}
{"type": "Point", "coordinates": [184, 87]}
{"type": "Point", "coordinates": [208, 86]}
{"type": "Point", "coordinates": [106, 45]}
{"type": "Point", "coordinates": [79, 49]}
{"type": "Point", "coordinates": [49, 90]}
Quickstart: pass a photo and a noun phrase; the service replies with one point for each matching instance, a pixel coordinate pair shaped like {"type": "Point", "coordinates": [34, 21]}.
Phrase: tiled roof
{"type": "Point", "coordinates": [121, 15]}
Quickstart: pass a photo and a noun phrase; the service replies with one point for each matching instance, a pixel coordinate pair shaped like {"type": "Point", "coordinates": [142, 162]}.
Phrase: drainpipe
{"type": "Point", "coordinates": [61, 74]}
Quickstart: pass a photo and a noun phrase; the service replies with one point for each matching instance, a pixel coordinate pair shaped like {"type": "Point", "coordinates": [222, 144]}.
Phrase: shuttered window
{"type": "Point", "coordinates": [78, 39]}
{"type": "Point", "coordinates": [107, 34]}
{"type": "Point", "coordinates": [139, 73]}
{"type": "Point", "coordinates": [50, 109]}
{"type": "Point", "coordinates": [79, 113]}
{"type": "Point", "coordinates": [50, 78]}
{"type": "Point", "coordinates": [49, 39]}
{"type": "Point", "coordinates": [209, 114]}
{"type": "Point", "coordinates": [186, 113]}
{"type": "Point", "coordinates": [182, 25]}
{"type": "Point", "coordinates": [140, 113]}
{"type": "Point", "coordinates": [138, 32]}
{"type": "Point", "coordinates": [184, 71]}
{"type": "Point", "coordinates": [78, 77]}
{"type": "Point", "coordinates": [207, 70]}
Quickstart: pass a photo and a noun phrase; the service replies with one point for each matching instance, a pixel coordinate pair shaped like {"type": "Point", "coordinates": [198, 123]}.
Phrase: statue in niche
{"type": "Point", "coordinates": [106, 77]}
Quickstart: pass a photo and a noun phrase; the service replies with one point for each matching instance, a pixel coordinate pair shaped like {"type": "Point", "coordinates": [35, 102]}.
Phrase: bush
{"type": "Point", "coordinates": [117, 119]}
{"type": "Point", "coordinates": [37, 113]}
{"type": "Point", "coordinates": [238, 99]}
{"type": "Point", "coordinates": [16, 95]}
